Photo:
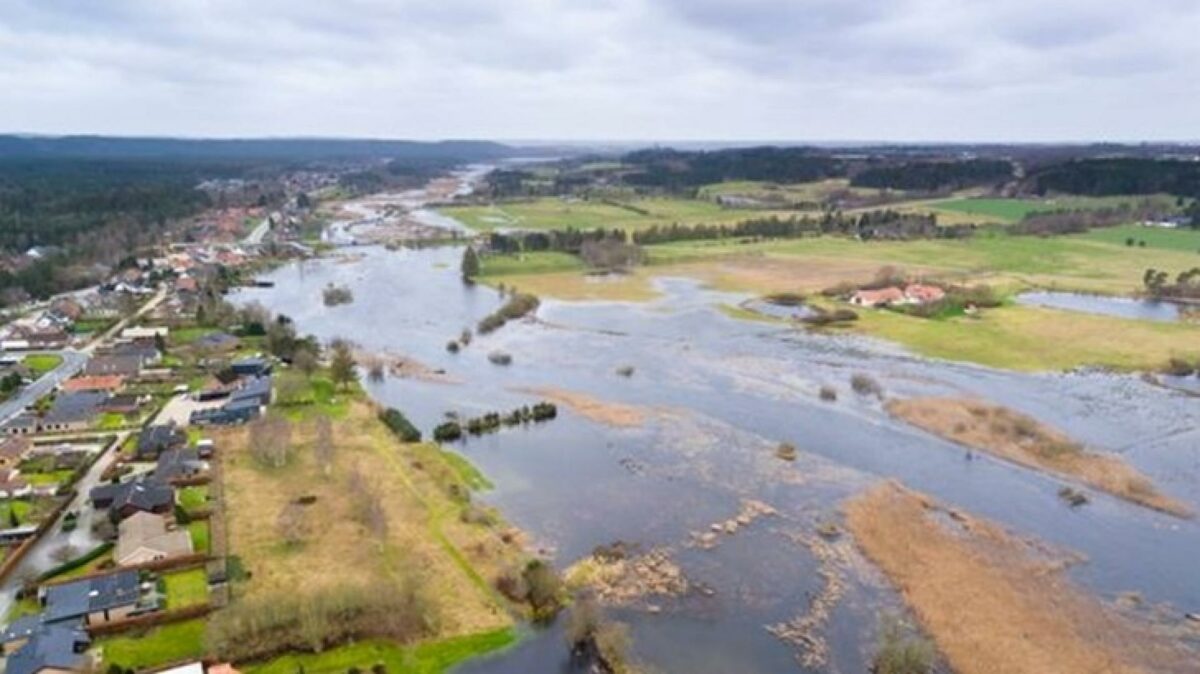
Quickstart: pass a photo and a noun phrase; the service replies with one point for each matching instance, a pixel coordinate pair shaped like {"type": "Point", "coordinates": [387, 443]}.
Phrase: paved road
{"type": "Point", "coordinates": [40, 557]}
{"type": "Point", "coordinates": [256, 236]}
{"type": "Point", "coordinates": [73, 361]}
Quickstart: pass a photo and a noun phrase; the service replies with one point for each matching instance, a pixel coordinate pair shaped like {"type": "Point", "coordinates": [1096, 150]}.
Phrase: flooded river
{"type": "Point", "coordinates": [717, 395]}
{"type": "Point", "coordinates": [1120, 307]}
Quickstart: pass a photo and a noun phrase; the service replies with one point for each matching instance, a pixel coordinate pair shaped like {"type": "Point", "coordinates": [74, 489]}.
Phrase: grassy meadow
{"type": "Point", "coordinates": [630, 214]}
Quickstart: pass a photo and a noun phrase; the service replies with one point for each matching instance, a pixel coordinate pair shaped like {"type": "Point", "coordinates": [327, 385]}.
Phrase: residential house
{"type": "Point", "coordinates": [34, 647]}
{"type": "Point", "coordinates": [231, 413]}
{"type": "Point", "coordinates": [126, 366]}
{"type": "Point", "coordinates": [25, 423]}
{"type": "Point", "coordinates": [72, 411]}
{"type": "Point", "coordinates": [257, 389]}
{"type": "Point", "coordinates": [146, 537]}
{"type": "Point", "coordinates": [878, 298]}
{"type": "Point", "coordinates": [98, 600]}
{"type": "Point", "coordinates": [124, 499]}
{"type": "Point", "coordinates": [918, 293]}
{"type": "Point", "coordinates": [251, 367]}
{"type": "Point", "coordinates": [105, 382]}
{"type": "Point", "coordinates": [145, 332]}
{"type": "Point", "coordinates": [12, 485]}
{"type": "Point", "coordinates": [68, 307]}
{"type": "Point", "coordinates": [156, 439]}
{"type": "Point", "coordinates": [145, 350]}
{"type": "Point", "coordinates": [217, 341]}
{"type": "Point", "coordinates": [124, 403]}
{"type": "Point", "coordinates": [177, 464]}
{"type": "Point", "coordinates": [13, 451]}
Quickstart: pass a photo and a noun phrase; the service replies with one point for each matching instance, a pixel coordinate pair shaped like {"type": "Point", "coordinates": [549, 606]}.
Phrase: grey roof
{"type": "Point", "coordinates": [81, 597]}
{"type": "Point", "coordinates": [259, 387]}
{"type": "Point", "coordinates": [21, 628]}
{"type": "Point", "coordinates": [57, 646]}
{"type": "Point", "coordinates": [144, 352]}
{"type": "Point", "coordinates": [178, 462]}
{"type": "Point", "coordinates": [72, 406]}
{"type": "Point", "coordinates": [158, 438]}
{"type": "Point", "coordinates": [216, 339]}
{"type": "Point", "coordinates": [123, 365]}
{"type": "Point", "coordinates": [146, 494]}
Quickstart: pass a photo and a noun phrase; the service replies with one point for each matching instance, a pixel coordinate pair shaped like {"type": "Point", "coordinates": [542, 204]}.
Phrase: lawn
{"type": "Point", "coordinates": [193, 498]}
{"type": "Point", "coordinates": [111, 421]}
{"type": "Point", "coordinates": [433, 657]}
{"type": "Point", "coordinates": [198, 530]}
{"type": "Point", "coordinates": [1183, 240]}
{"type": "Point", "coordinates": [182, 336]}
{"type": "Point", "coordinates": [160, 645]}
{"type": "Point", "coordinates": [10, 506]}
{"type": "Point", "coordinates": [300, 397]}
{"type": "Point", "coordinates": [41, 363]}
{"type": "Point", "coordinates": [186, 588]}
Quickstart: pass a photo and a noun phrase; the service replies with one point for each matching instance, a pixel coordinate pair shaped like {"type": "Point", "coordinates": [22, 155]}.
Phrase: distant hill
{"type": "Point", "coordinates": [111, 147]}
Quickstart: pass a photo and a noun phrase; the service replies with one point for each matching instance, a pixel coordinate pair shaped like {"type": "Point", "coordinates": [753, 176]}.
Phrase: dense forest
{"type": "Point", "coordinates": [1102, 177]}
{"type": "Point", "coordinates": [675, 170]}
{"type": "Point", "coordinates": [936, 176]}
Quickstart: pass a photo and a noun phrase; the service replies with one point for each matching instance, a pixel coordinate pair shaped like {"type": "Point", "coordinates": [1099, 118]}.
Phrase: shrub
{"type": "Point", "coordinates": [1073, 497]}
{"type": "Point", "coordinates": [395, 420]}
{"type": "Point", "coordinates": [625, 371]}
{"type": "Point", "coordinates": [335, 295]}
{"type": "Point", "coordinates": [786, 299]}
{"type": "Point", "coordinates": [516, 307]}
{"type": "Point", "coordinates": [452, 346]}
{"type": "Point", "coordinates": [901, 652]}
{"type": "Point", "coordinates": [828, 393]}
{"type": "Point", "coordinates": [447, 432]}
{"type": "Point", "coordinates": [823, 317]}
{"type": "Point", "coordinates": [500, 358]}
{"type": "Point", "coordinates": [863, 384]}
{"type": "Point", "coordinates": [545, 590]}
{"type": "Point", "coordinates": [786, 451]}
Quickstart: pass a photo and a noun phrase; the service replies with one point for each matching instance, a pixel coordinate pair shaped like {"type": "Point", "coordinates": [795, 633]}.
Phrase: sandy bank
{"type": "Point", "coordinates": [1018, 438]}
{"type": "Point", "coordinates": [995, 603]}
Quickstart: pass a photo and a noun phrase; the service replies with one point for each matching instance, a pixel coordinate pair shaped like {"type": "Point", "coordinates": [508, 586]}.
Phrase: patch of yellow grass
{"type": "Point", "coordinates": [990, 600]}
{"type": "Point", "coordinates": [1023, 440]}
{"type": "Point", "coordinates": [424, 534]}
{"type": "Point", "coordinates": [576, 286]}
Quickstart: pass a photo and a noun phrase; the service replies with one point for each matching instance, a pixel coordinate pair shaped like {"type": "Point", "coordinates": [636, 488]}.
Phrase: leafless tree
{"type": "Point", "coordinates": [368, 506]}
{"type": "Point", "coordinates": [293, 523]}
{"type": "Point", "coordinates": [271, 441]}
{"type": "Point", "coordinates": [324, 447]}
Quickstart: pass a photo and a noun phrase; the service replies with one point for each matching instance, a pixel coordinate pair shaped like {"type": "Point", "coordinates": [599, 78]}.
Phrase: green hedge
{"type": "Point", "coordinates": [70, 565]}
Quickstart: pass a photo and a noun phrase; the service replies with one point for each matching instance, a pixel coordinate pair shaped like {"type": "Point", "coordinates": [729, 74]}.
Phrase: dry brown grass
{"type": "Point", "coordinates": [993, 603]}
{"type": "Point", "coordinates": [765, 274]}
{"type": "Point", "coordinates": [600, 411]}
{"type": "Point", "coordinates": [422, 523]}
{"type": "Point", "coordinates": [1023, 440]}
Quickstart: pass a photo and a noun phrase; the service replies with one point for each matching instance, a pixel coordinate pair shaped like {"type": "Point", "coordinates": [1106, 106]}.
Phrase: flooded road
{"type": "Point", "coordinates": [717, 395]}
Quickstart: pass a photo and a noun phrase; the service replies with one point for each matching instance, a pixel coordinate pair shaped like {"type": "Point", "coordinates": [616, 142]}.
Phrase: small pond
{"type": "Point", "coordinates": [1120, 307]}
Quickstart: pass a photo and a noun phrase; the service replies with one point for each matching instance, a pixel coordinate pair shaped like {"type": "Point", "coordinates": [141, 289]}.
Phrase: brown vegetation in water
{"type": "Point", "coordinates": [992, 602]}
{"type": "Point", "coordinates": [1023, 440]}
{"type": "Point", "coordinates": [601, 411]}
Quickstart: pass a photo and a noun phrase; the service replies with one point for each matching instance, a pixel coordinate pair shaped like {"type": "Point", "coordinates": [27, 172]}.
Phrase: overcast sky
{"type": "Point", "coordinates": [991, 70]}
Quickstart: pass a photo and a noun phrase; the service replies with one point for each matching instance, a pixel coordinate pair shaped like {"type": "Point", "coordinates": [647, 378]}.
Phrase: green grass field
{"type": "Point", "coordinates": [10, 506]}
{"type": "Point", "coordinates": [158, 646]}
{"type": "Point", "coordinates": [198, 530]}
{"type": "Point", "coordinates": [1014, 210]}
{"type": "Point", "coordinates": [529, 263]}
{"type": "Point", "coordinates": [1183, 240]}
{"type": "Point", "coordinates": [428, 658]}
{"type": "Point", "coordinates": [41, 363]}
{"type": "Point", "coordinates": [186, 588]}
{"type": "Point", "coordinates": [193, 498]}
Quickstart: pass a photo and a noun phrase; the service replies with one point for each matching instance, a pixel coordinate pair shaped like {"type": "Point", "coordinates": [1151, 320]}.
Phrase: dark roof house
{"type": "Point", "coordinates": [83, 598]}
{"type": "Point", "coordinates": [155, 440]}
{"type": "Point", "coordinates": [73, 409]}
{"type": "Point", "coordinates": [126, 366]}
{"type": "Point", "coordinates": [50, 648]}
{"type": "Point", "coordinates": [257, 389]}
{"type": "Point", "coordinates": [251, 367]}
{"type": "Point", "coordinates": [126, 498]}
{"type": "Point", "coordinates": [179, 463]}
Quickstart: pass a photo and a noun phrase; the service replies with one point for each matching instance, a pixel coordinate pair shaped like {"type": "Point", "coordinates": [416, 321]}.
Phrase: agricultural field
{"type": "Point", "coordinates": [997, 210]}
{"type": "Point", "coordinates": [632, 214]}
{"type": "Point", "coordinates": [817, 191]}
{"type": "Point", "coordinates": [1183, 240]}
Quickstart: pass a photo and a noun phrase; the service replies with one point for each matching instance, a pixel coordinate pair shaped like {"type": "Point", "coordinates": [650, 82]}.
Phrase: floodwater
{"type": "Point", "coordinates": [1120, 307]}
{"type": "Point", "coordinates": [719, 394]}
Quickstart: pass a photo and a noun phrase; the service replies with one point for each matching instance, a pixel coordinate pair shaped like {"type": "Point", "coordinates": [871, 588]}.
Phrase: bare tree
{"type": "Point", "coordinates": [271, 441]}
{"type": "Point", "coordinates": [305, 361]}
{"type": "Point", "coordinates": [324, 447]}
{"type": "Point", "coordinates": [293, 523]}
{"type": "Point", "coordinates": [368, 506]}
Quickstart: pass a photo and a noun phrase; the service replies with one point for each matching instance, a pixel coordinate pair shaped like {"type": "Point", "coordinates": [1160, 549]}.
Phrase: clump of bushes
{"type": "Point", "coordinates": [335, 295]}
{"type": "Point", "coordinates": [447, 432]}
{"type": "Point", "coordinates": [494, 421]}
{"type": "Point", "coordinates": [1179, 367]}
{"type": "Point", "coordinates": [399, 425]}
{"type": "Point", "coordinates": [901, 652]}
{"type": "Point", "coordinates": [864, 385]}
{"type": "Point", "coordinates": [786, 299]}
{"type": "Point", "coordinates": [517, 306]}
{"type": "Point", "coordinates": [786, 451]}
{"type": "Point", "coordinates": [452, 346]}
{"type": "Point", "coordinates": [625, 371]}
{"type": "Point", "coordinates": [1073, 497]}
{"type": "Point", "coordinates": [500, 358]}
{"type": "Point", "coordinates": [828, 394]}
{"type": "Point", "coordinates": [595, 640]}
{"type": "Point", "coordinates": [823, 317]}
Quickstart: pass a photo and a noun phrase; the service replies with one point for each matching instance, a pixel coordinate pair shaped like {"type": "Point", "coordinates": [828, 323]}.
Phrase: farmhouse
{"type": "Point", "coordinates": [917, 293]}
{"type": "Point", "coordinates": [877, 298]}
{"type": "Point", "coordinates": [146, 537]}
